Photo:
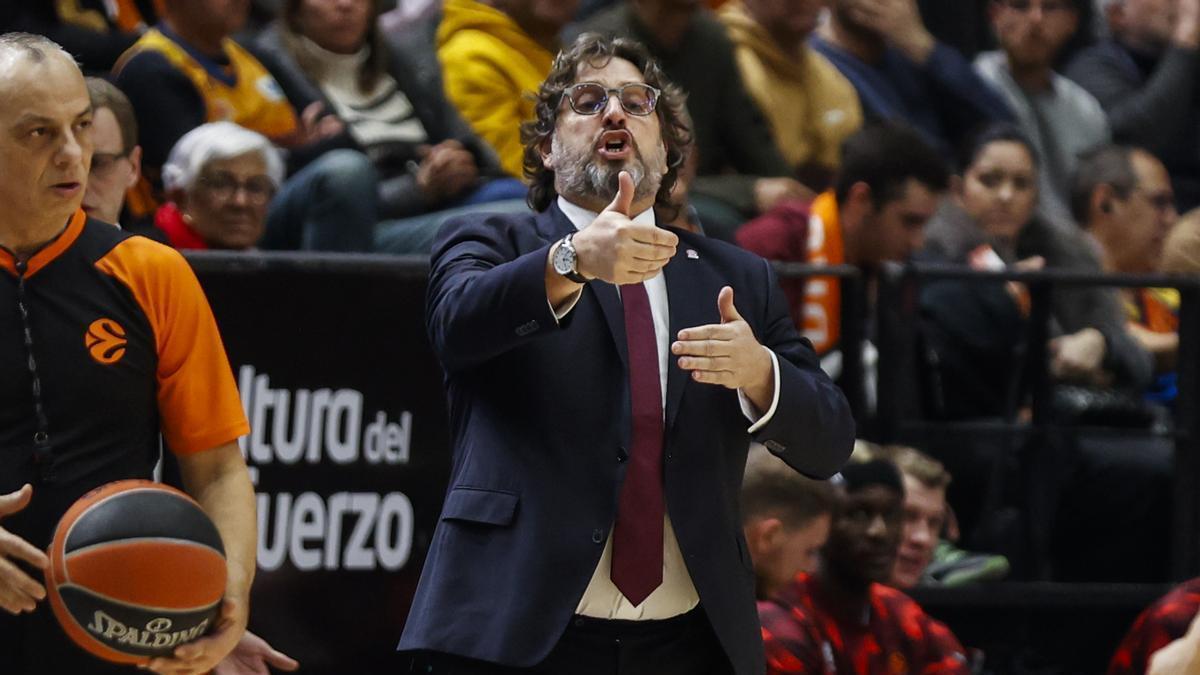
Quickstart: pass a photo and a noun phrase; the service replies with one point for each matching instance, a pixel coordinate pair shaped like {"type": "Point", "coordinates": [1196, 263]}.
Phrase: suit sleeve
{"type": "Point", "coordinates": [1149, 114]}
{"type": "Point", "coordinates": [963, 99]}
{"type": "Point", "coordinates": [487, 290]}
{"type": "Point", "coordinates": [812, 428]}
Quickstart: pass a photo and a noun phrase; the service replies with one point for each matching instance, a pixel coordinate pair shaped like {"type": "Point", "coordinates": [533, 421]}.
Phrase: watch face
{"type": "Point", "coordinates": [564, 259]}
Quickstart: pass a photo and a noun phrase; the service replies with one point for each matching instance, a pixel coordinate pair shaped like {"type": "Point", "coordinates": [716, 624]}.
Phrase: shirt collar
{"type": "Point", "coordinates": [581, 217]}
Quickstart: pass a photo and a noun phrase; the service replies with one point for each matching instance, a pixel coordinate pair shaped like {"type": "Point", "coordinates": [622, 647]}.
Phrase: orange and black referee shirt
{"type": "Point", "coordinates": [124, 346]}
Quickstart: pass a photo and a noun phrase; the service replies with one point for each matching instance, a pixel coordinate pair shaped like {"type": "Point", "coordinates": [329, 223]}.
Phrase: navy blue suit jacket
{"type": "Point", "coordinates": [540, 423]}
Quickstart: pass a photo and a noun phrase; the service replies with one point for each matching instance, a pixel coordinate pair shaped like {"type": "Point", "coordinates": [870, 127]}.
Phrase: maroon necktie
{"type": "Point", "coordinates": [637, 556]}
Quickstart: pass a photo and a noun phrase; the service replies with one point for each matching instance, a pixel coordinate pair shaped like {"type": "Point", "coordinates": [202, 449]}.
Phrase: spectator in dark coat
{"type": "Point", "coordinates": [902, 73]}
{"type": "Point", "coordinates": [1147, 78]}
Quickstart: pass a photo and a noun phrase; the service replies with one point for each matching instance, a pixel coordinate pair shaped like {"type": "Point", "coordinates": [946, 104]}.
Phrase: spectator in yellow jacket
{"type": "Point", "coordinates": [810, 106]}
{"type": "Point", "coordinates": [494, 54]}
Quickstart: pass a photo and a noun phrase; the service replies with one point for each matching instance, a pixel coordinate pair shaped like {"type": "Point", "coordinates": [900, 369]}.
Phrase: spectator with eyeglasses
{"type": "Point", "coordinates": [117, 158]}
{"type": "Point", "coordinates": [1059, 117]}
{"type": "Point", "coordinates": [1147, 78]}
{"type": "Point", "coordinates": [1122, 196]}
{"type": "Point", "coordinates": [219, 178]}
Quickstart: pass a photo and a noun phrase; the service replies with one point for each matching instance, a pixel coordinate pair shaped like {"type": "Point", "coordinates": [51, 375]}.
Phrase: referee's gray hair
{"type": "Point", "coordinates": [36, 47]}
{"type": "Point", "coordinates": [213, 142]}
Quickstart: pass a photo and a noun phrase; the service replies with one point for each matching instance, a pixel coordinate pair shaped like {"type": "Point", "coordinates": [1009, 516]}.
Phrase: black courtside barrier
{"type": "Point", "coordinates": [348, 447]}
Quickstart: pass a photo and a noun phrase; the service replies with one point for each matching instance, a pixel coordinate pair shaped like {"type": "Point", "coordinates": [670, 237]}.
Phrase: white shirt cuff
{"type": "Point", "coordinates": [748, 408]}
{"type": "Point", "coordinates": [569, 305]}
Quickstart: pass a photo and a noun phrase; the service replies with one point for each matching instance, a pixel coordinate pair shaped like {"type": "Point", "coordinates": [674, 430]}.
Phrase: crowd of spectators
{"type": "Point", "coordinates": [824, 131]}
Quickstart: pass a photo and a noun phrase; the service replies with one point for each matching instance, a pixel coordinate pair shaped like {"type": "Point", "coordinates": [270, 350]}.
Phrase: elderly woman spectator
{"type": "Point", "coordinates": [220, 179]}
{"type": "Point", "coordinates": [331, 53]}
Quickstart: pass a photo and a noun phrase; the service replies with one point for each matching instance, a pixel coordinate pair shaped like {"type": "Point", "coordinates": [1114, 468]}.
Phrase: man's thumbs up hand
{"type": "Point", "coordinates": [616, 249]}
{"type": "Point", "coordinates": [623, 201]}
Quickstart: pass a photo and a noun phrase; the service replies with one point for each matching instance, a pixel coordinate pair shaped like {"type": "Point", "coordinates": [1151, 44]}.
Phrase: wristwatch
{"type": "Point", "coordinates": [564, 261]}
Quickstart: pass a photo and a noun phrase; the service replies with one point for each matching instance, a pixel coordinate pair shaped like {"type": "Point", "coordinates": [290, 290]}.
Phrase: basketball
{"type": "Point", "coordinates": [136, 569]}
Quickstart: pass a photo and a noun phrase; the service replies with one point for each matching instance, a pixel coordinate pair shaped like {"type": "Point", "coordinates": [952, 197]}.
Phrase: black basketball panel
{"type": "Point", "coordinates": [135, 630]}
{"type": "Point", "coordinates": [139, 514]}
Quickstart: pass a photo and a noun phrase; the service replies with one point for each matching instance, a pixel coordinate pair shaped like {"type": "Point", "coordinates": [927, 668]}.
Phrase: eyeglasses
{"type": "Point", "coordinates": [103, 162]}
{"type": "Point", "coordinates": [223, 186]}
{"type": "Point", "coordinates": [1161, 201]}
{"type": "Point", "coordinates": [589, 98]}
{"type": "Point", "coordinates": [1047, 6]}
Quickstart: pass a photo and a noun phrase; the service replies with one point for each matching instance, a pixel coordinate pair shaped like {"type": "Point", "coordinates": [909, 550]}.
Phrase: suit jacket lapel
{"type": "Point", "coordinates": [686, 286]}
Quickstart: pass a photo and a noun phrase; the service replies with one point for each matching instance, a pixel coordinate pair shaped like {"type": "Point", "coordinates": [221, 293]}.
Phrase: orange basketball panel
{"type": "Point", "coordinates": [162, 573]}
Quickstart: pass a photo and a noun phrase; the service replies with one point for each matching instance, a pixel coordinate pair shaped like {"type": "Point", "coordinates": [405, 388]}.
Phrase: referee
{"type": "Point", "coordinates": [106, 342]}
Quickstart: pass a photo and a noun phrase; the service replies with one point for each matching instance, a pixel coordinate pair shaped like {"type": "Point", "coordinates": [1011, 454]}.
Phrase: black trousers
{"type": "Point", "coordinates": [681, 645]}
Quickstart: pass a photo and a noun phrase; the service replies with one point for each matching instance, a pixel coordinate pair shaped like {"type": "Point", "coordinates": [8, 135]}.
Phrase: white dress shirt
{"type": "Point", "coordinates": [677, 594]}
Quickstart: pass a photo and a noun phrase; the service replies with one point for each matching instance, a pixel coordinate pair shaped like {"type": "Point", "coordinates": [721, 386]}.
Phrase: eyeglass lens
{"type": "Point", "coordinates": [589, 98]}
{"type": "Point", "coordinates": [224, 186]}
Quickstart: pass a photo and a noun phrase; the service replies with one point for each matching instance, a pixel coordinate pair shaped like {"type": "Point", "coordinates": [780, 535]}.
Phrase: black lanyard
{"type": "Point", "coordinates": [43, 458]}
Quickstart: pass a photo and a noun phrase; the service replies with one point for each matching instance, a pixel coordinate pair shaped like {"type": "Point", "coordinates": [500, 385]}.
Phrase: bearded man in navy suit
{"type": "Point", "coordinates": [605, 377]}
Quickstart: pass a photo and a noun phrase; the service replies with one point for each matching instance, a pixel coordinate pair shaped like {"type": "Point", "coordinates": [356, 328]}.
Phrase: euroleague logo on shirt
{"type": "Point", "coordinates": [105, 341]}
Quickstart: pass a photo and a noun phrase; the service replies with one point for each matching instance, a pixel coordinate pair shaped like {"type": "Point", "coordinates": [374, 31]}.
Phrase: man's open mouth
{"type": "Point", "coordinates": [615, 145]}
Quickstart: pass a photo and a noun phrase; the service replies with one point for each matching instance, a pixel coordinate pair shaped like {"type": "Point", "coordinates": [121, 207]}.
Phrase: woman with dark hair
{"type": "Point", "coordinates": [331, 59]}
{"type": "Point", "coordinates": [977, 330]}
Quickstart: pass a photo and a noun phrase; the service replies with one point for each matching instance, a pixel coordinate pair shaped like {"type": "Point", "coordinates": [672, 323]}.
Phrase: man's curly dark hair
{"type": "Point", "coordinates": [596, 51]}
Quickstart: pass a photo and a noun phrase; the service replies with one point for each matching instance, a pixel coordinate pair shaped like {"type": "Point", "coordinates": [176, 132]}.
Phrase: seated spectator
{"type": "Point", "coordinates": [1147, 78]}
{"type": "Point", "coordinates": [739, 171]}
{"type": "Point", "coordinates": [903, 74]}
{"type": "Point", "coordinates": [888, 186]}
{"type": "Point", "coordinates": [1059, 117]}
{"type": "Point", "coordinates": [925, 512]}
{"type": "Point", "coordinates": [977, 330]}
{"type": "Point", "coordinates": [785, 517]}
{"type": "Point", "coordinates": [95, 32]}
{"type": "Point", "coordinates": [219, 178]}
{"type": "Point", "coordinates": [116, 157]}
{"type": "Point", "coordinates": [927, 554]}
{"type": "Point", "coordinates": [842, 619]}
{"type": "Point", "coordinates": [1181, 251]}
{"type": "Point", "coordinates": [1122, 197]}
{"type": "Point", "coordinates": [809, 105]}
{"type": "Point", "coordinates": [1181, 656]}
{"type": "Point", "coordinates": [331, 53]}
{"type": "Point", "coordinates": [495, 54]}
{"type": "Point", "coordinates": [1108, 497]}
{"type": "Point", "coordinates": [1162, 622]}
{"type": "Point", "coordinates": [189, 71]}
